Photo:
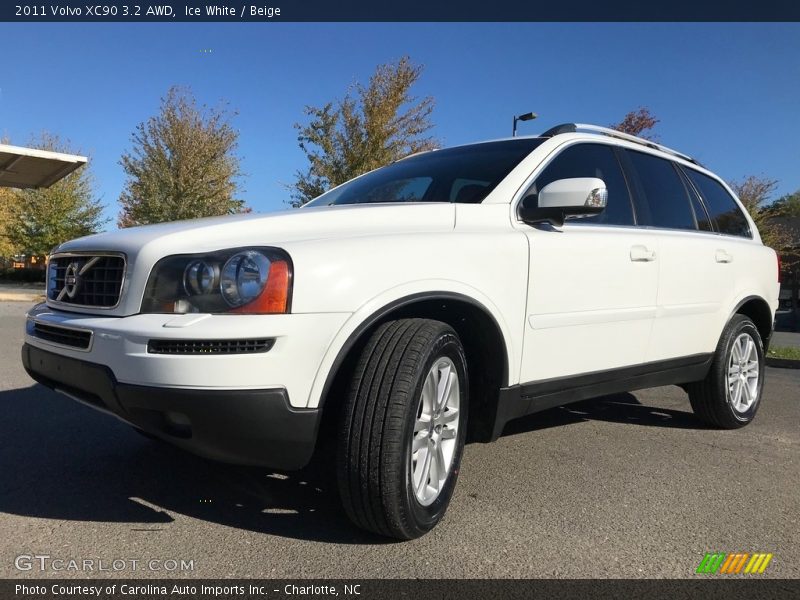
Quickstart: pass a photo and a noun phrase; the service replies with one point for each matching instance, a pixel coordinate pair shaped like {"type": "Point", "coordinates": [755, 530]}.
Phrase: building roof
{"type": "Point", "coordinates": [31, 168]}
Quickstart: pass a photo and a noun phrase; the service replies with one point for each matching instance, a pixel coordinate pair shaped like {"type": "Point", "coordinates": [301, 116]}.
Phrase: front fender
{"type": "Point", "coordinates": [379, 306]}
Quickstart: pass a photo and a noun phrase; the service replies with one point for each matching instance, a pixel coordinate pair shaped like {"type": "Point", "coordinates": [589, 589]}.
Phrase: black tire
{"type": "Point", "coordinates": [710, 398]}
{"type": "Point", "coordinates": [377, 424]}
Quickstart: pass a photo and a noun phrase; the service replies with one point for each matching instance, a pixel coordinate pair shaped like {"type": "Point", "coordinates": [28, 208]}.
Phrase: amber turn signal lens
{"type": "Point", "coordinates": [274, 299]}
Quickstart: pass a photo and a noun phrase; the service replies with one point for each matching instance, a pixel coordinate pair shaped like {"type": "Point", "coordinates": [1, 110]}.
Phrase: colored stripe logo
{"type": "Point", "coordinates": [734, 563]}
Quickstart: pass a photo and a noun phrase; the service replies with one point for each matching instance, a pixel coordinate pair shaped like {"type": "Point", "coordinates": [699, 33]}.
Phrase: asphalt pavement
{"type": "Point", "coordinates": [789, 339]}
{"type": "Point", "coordinates": [628, 486]}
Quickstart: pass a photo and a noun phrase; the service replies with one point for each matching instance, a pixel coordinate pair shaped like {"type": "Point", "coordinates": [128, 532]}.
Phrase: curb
{"type": "Point", "coordinates": [783, 363]}
{"type": "Point", "coordinates": [6, 297]}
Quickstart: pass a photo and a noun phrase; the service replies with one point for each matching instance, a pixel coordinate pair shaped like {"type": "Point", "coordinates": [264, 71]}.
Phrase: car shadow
{"type": "Point", "coordinates": [615, 408]}
{"type": "Point", "coordinates": [61, 460]}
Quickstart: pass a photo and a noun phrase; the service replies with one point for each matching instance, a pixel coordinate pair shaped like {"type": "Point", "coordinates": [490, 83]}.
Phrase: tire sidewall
{"type": "Point", "coordinates": [425, 517]}
{"type": "Point", "coordinates": [742, 326]}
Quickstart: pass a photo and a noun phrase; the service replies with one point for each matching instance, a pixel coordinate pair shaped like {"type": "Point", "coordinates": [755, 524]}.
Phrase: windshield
{"type": "Point", "coordinates": [465, 174]}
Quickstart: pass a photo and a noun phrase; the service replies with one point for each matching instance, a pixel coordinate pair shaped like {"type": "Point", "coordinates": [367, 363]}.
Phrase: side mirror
{"type": "Point", "coordinates": [575, 197]}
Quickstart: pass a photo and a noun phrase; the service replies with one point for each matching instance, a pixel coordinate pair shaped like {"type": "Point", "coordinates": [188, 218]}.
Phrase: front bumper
{"type": "Point", "coordinates": [241, 426]}
{"type": "Point", "coordinates": [121, 344]}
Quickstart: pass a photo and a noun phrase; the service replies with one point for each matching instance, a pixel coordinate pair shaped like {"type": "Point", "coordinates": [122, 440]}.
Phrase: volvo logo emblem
{"type": "Point", "coordinates": [72, 278]}
{"type": "Point", "coordinates": [72, 281]}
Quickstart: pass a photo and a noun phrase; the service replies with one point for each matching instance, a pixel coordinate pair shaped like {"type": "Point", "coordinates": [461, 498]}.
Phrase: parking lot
{"type": "Point", "coordinates": [629, 485]}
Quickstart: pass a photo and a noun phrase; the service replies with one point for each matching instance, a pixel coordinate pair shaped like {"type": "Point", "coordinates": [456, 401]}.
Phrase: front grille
{"type": "Point", "coordinates": [209, 346]}
{"type": "Point", "coordinates": [86, 280]}
{"type": "Point", "coordinates": [75, 338]}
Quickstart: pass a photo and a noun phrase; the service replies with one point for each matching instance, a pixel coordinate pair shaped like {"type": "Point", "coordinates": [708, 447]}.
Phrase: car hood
{"type": "Point", "coordinates": [202, 235]}
{"type": "Point", "coordinates": [144, 246]}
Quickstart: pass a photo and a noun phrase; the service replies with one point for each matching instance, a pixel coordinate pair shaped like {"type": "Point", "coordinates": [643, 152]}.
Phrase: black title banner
{"type": "Point", "coordinates": [705, 588]}
{"type": "Point", "coordinates": [409, 10]}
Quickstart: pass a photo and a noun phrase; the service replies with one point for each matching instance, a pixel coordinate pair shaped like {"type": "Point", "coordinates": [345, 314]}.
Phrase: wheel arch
{"type": "Point", "coordinates": [759, 311]}
{"type": "Point", "coordinates": [483, 337]}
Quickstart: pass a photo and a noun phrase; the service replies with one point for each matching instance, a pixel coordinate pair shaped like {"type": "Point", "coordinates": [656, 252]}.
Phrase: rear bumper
{"type": "Point", "coordinates": [241, 426]}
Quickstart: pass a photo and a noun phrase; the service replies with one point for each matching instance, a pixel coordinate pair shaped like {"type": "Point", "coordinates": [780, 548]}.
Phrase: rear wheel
{"type": "Point", "coordinates": [730, 394]}
{"type": "Point", "coordinates": [403, 427]}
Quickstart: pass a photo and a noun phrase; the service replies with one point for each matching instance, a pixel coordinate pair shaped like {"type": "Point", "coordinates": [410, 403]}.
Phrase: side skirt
{"type": "Point", "coordinates": [528, 398]}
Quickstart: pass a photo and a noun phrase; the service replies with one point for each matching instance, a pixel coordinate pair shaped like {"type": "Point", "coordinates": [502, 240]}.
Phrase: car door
{"type": "Point", "coordinates": [695, 270]}
{"type": "Point", "coordinates": [593, 282]}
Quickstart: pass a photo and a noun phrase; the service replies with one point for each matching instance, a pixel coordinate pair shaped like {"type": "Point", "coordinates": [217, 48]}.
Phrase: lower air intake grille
{"type": "Point", "coordinates": [209, 346]}
{"type": "Point", "coordinates": [61, 335]}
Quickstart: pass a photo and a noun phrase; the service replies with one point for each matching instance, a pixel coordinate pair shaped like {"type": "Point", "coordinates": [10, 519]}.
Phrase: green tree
{"type": "Point", "coordinates": [789, 205]}
{"type": "Point", "coordinates": [638, 122]}
{"type": "Point", "coordinates": [373, 125]}
{"type": "Point", "coordinates": [183, 164]}
{"type": "Point", "coordinates": [755, 193]}
{"type": "Point", "coordinates": [787, 214]}
{"type": "Point", "coordinates": [6, 200]}
{"type": "Point", "coordinates": [40, 219]}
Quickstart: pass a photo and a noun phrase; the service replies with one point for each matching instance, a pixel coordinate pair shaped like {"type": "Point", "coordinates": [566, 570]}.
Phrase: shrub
{"type": "Point", "coordinates": [23, 275]}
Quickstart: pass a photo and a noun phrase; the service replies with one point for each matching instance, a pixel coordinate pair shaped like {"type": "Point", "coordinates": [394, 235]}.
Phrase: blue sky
{"type": "Point", "coordinates": [727, 94]}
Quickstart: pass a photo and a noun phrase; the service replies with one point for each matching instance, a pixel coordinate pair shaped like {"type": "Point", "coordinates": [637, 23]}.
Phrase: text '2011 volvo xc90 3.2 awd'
{"type": "Point", "coordinates": [415, 307]}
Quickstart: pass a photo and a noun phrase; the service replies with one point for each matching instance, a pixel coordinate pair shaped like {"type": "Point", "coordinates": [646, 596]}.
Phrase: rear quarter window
{"type": "Point", "coordinates": [722, 208]}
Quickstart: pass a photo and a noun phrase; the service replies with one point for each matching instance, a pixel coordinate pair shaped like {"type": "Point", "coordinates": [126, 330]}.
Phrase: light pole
{"type": "Point", "coordinates": [526, 117]}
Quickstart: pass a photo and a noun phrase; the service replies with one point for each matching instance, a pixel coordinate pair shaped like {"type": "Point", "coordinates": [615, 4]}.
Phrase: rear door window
{"type": "Point", "coordinates": [663, 198]}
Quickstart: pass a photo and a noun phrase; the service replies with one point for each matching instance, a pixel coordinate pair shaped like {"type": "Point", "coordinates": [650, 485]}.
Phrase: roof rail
{"type": "Point", "coordinates": [575, 127]}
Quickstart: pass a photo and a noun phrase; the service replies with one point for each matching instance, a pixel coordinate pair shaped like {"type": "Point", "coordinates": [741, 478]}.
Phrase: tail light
{"type": "Point", "coordinates": [780, 280]}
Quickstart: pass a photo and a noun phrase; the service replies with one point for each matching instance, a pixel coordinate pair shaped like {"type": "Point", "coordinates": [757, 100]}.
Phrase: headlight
{"type": "Point", "coordinates": [249, 280]}
{"type": "Point", "coordinates": [200, 277]}
{"type": "Point", "coordinates": [244, 277]}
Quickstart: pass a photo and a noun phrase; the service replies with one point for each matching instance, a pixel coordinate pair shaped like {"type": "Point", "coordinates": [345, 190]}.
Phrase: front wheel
{"type": "Point", "coordinates": [730, 394]}
{"type": "Point", "coordinates": [403, 427]}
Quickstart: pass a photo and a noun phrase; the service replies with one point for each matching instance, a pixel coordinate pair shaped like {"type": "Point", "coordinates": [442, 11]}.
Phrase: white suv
{"type": "Point", "coordinates": [415, 307]}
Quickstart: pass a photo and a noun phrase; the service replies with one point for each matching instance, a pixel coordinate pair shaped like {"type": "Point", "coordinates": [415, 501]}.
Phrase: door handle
{"type": "Point", "coordinates": [723, 257]}
{"type": "Point", "coordinates": [642, 254]}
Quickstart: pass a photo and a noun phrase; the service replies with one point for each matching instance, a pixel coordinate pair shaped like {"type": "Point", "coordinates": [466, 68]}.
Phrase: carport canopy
{"type": "Point", "coordinates": [31, 168]}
